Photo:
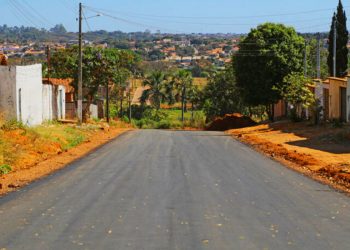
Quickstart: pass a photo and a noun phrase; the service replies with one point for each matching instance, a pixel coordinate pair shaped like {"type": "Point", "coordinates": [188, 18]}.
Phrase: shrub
{"type": "Point", "coordinates": [198, 120]}
{"type": "Point", "coordinates": [74, 138]}
{"type": "Point", "coordinates": [176, 124]}
{"type": "Point", "coordinates": [155, 115]}
{"type": "Point", "coordinates": [5, 169]}
{"type": "Point", "coordinates": [164, 124]}
{"type": "Point", "coordinates": [12, 125]}
{"type": "Point", "coordinates": [144, 123]}
{"type": "Point", "coordinates": [113, 111]}
{"type": "Point", "coordinates": [125, 119]}
{"type": "Point", "coordinates": [137, 111]}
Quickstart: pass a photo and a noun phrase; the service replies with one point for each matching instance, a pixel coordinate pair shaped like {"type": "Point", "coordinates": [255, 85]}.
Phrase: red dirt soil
{"type": "Point", "coordinates": [309, 150]}
{"type": "Point", "coordinates": [230, 121]}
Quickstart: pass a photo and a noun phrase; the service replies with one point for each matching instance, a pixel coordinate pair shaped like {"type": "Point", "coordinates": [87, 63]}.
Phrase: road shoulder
{"type": "Point", "coordinates": [308, 150]}
{"type": "Point", "coordinates": [17, 179]}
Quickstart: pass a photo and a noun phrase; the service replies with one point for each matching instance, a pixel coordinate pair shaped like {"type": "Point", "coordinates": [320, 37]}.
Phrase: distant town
{"type": "Point", "coordinates": [29, 45]}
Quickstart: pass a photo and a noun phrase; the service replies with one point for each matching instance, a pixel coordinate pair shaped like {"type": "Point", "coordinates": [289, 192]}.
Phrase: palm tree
{"type": "Point", "coordinates": [183, 82]}
{"type": "Point", "coordinates": [193, 94]}
{"type": "Point", "coordinates": [155, 92]}
{"type": "Point", "coordinates": [170, 91]}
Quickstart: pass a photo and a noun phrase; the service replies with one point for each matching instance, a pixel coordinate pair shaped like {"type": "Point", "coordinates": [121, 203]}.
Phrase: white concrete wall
{"type": "Point", "coordinates": [93, 111]}
{"type": "Point", "coordinates": [39, 102]}
{"type": "Point", "coordinates": [29, 81]}
{"type": "Point", "coordinates": [54, 102]}
{"type": "Point", "coordinates": [47, 102]}
{"type": "Point", "coordinates": [61, 103]}
{"type": "Point", "coordinates": [8, 92]}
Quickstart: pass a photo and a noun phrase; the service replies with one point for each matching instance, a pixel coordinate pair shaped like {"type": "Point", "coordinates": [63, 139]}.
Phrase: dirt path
{"type": "Point", "coordinates": [322, 153]}
{"type": "Point", "coordinates": [22, 177]}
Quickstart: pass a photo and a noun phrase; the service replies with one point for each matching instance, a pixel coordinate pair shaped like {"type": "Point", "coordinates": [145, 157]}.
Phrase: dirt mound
{"type": "Point", "coordinates": [230, 121]}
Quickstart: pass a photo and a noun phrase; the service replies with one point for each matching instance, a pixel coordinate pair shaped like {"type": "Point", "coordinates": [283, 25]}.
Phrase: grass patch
{"type": "Point", "coordinates": [170, 119]}
{"type": "Point", "coordinates": [12, 125]}
{"type": "Point", "coordinates": [5, 169]}
{"type": "Point", "coordinates": [67, 137]}
{"type": "Point", "coordinates": [22, 147]}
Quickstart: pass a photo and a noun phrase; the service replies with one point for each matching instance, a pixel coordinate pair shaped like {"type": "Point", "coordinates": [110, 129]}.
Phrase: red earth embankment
{"type": "Point", "coordinates": [230, 121]}
{"type": "Point", "coordinates": [32, 154]}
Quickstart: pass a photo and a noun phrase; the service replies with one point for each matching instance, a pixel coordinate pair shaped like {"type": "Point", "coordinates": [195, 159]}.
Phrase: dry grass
{"type": "Point", "coordinates": [22, 147]}
{"type": "Point", "coordinates": [44, 166]}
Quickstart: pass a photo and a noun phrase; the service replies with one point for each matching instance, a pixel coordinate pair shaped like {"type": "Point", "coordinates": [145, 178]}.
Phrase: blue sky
{"type": "Point", "coordinates": [173, 16]}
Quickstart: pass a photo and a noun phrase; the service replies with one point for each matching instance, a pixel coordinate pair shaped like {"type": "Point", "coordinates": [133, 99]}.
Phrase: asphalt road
{"type": "Point", "coordinates": [175, 190]}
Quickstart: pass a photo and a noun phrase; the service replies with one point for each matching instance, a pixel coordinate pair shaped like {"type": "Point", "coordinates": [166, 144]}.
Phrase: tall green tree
{"type": "Point", "coordinates": [170, 91]}
{"type": "Point", "coordinates": [184, 81]}
{"type": "Point", "coordinates": [101, 67]}
{"type": "Point", "coordinates": [267, 55]}
{"type": "Point", "coordinates": [296, 91]}
{"type": "Point", "coordinates": [312, 59]}
{"type": "Point", "coordinates": [339, 18]}
{"type": "Point", "coordinates": [194, 97]}
{"type": "Point", "coordinates": [155, 83]}
{"type": "Point", "coordinates": [222, 96]}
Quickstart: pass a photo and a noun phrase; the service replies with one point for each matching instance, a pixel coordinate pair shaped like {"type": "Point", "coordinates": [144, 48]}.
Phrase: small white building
{"type": "Point", "coordinates": [21, 93]}
{"type": "Point", "coordinates": [54, 100]}
{"type": "Point", "coordinates": [24, 97]}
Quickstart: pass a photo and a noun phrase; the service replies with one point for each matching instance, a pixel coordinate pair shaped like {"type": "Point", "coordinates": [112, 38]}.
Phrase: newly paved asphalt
{"type": "Point", "coordinates": [175, 190]}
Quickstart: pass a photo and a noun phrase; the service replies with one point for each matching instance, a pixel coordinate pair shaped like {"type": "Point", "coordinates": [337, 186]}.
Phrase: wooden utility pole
{"type": "Point", "coordinates": [130, 88]}
{"type": "Point", "coordinates": [107, 101]}
{"type": "Point", "coordinates": [48, 55]}
{"type": "Point", "coordinates": [318, 70]}
{"type": "Point", "coordinates": [335, 49]}
{"type": "Point", "coordinates": [80, 69]}
{"type": "Point", "coordinates": [121, 97]}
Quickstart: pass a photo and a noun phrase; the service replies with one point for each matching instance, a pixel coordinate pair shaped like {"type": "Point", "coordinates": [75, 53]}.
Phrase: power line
{"type": "Point", "coordinates": [14, 4]}
{"type": "Point", "coordinates": [68, 5]}
{"type": "Point", "coordinates": [15, 12]}
{"type": "Point", "coordinates": [44, 19]}
{"type": "Point", "coordinates": [143, 17]}
{"type": "Point", "coordinates": [86, 21]}
{"type": "Point", "coordinates": [313, 26]}
{"type": "Point", "coordinates": [129, 21]}
{"type": "Point", "coordinates": [221, 17]}
{"type": "Point", "coordinates": [214, 24]}
{"type": "Point", "coordinates": [29, 13]}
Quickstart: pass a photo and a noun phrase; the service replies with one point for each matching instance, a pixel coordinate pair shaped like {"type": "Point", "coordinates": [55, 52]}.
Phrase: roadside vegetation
{"type": "Point", "coordinates": [170, 119]}
{"type": "Point", "coordinates": [249, 84]}
{"type": "Point", "coordinates": [22, 147]}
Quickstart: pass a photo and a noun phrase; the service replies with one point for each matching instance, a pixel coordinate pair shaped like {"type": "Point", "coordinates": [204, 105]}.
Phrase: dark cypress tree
{"type": "Point", "coordinates": [342, 41]}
